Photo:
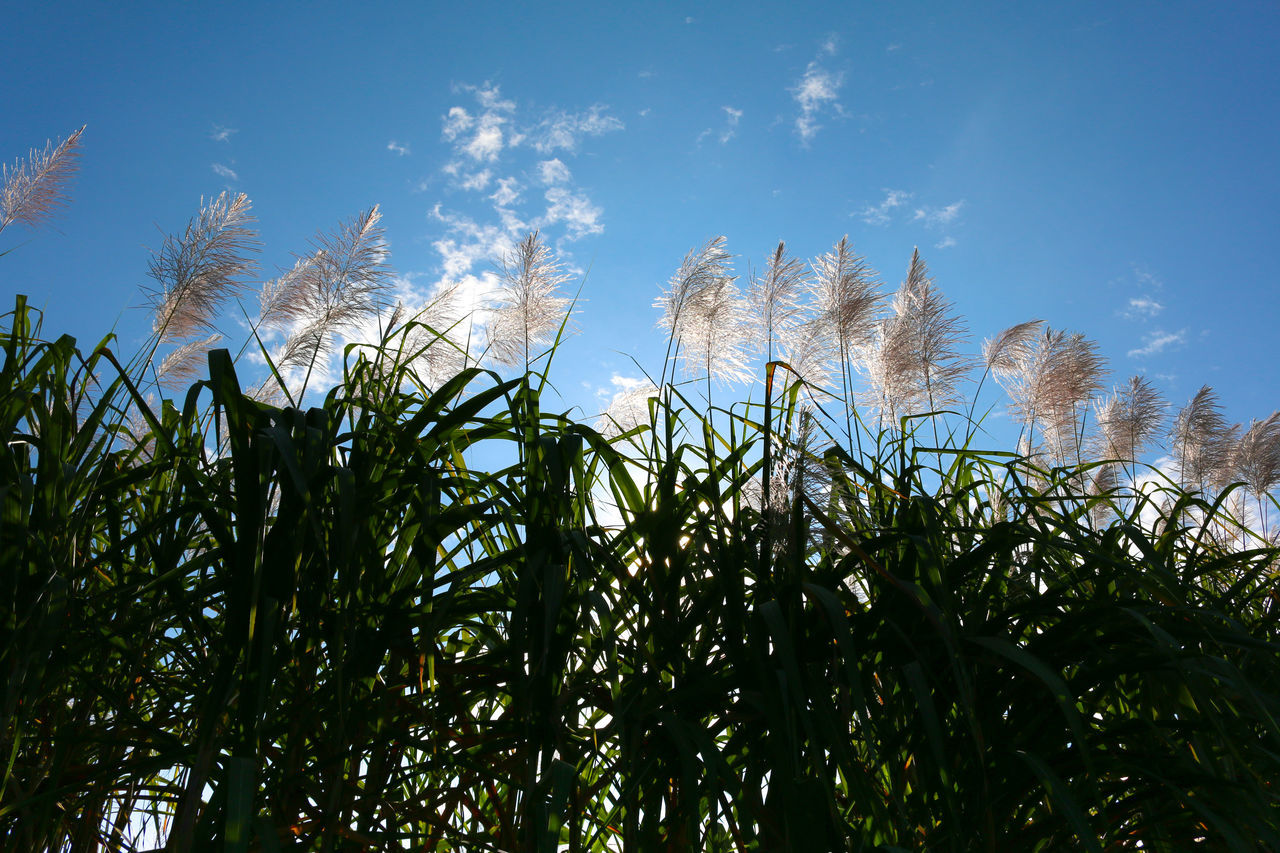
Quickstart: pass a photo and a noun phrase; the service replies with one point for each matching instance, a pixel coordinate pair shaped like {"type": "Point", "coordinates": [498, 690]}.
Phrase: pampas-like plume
{"type": "Point", "coordinates": [627, 410]}
{"type": "Point", "coordinates": [1256, 456]}
{"type": "Point", "coordinates": [1101, 485]}
{"type": "Point", "coordinates": [182, 365]}
{"type": "Point", "coordinates": [33, 190]}
{"type": "Point", "coordinates": [433, 340]}
{"type": "Point", "coordinates": [913, 359]}
{"type": "Point", "coordinates": [1004, 352]}
{"type": "Point", "coordinates": [1129, 419]}
{"type": "Point", "coordinates": [1048, 384]}
{"type": "Point", "coordinates": [1201, 440]}
{"type": "Point", "coordinates": [773, 298]}
{"type": "Point", "coordinates": [848, 296]}
{"type": "Point", "coordinates": [529, 308]}
{"type": "Point", "coordinates": [701, 268]}
{"type": "Point", "coordinates": [700, 310]}
{"type": "Point", "coordinates": [336, 287]}
{"type": "Point", "coordinates": [198, 271]}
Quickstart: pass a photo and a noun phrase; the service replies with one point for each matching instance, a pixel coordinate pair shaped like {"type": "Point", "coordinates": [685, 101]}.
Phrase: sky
{"type": "Point", "coordinates": [1110, 168]}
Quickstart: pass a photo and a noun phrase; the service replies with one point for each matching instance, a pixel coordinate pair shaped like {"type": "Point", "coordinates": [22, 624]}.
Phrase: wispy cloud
{"type": "Point", "coordinates": [727, 131]}
{"type": "Point", "coordinates": [732, 117]}
{"type": "Point", "coordinates": [945, 243]}
{"type": "Point", "coordinates": [817, 92]}
{"type": "Point", "coordinates": [222, 134]}
{"type": "Point", "coordinates": [1141, 308]}
{"type": "Point", "coordinates": [225, 172]}
{"type": "Point", "coordinates": [554, 172]}
{"type": "Point", "coordinates": [476, 181]}
{"type": "Point", "coordinates": [494, 143]}
{"type": "Point", "coordinates": [398, 148]}
{"type": "Point", "coordinates": [564, 130]}
{"type": "Point", "coordinates": [482, 136]}
{"type": "Point", "coordinates": [882, 213]}
{"type": "Point", "coordinates": [1157, 342]}
{"type": "Point", "coordinates": [830, 44]}
{"type": "Point", "coordinates": [892, 48]}
{"type": "Point", "coordinates": [935, 217]}
{"type": "Point", "coordinates": [575, 210]}
{"type": "Point", "coordinates": [508, 192]}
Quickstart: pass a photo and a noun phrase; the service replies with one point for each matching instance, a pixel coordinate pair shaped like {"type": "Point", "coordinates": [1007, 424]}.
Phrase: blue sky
{"type": "Point", "coordinates": [1111, 168]}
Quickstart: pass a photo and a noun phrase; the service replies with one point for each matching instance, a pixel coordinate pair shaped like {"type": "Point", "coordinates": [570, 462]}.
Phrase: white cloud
{"type": "Point", "coordinates": [487, 142]}
{"type": "Point", "coordinates": [507, 194]}
{"type": "Point", "coordinates": [1141, 308]}
{"type": "Point", "coordinates": [830, 44]}
{"type": "Point", "coordinates": [222, 134]}
{"type": "Point", "coordinates": [480, 137]}
{"type": "Point", "coordinates": [225, 172]}
{"type": "Point", "coordinates": [457, 122]}
{"type": "Point", "coordinates": [575, 210]}
{"type": "Point", "coordinates": [1157, 342]}
{"type": "Point", "coordinates": [468, 243]}
{"type": "Point", "coordinates": [816, 91]}
{"type": "Point", "coordinates": [937, 216]}
{"type": "Point", "coordinates": [476, 180]}
{"type": "Point", "coordinates": [398, 148]}
{"type": "Point", "coordinates": [560, 129]}
{"type": "Point", "coordinates": [881, 213]}
{"type": "Point", "coordinates": [554, 171]}
{"type": "Point", "coordinates": [945, 243]}
{"type": "Point", "coordinates": [732, 117]}
{"type": "Point", "coordinates": [892, 47]}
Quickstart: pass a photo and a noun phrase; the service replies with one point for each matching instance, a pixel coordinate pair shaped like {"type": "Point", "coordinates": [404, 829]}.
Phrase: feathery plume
{"type": "Point", "coordinates": [1005, 351]}
{"type": "Point", "coordinates": [1201, 440]}
{"type": "Point", "coordinates": [628, 409]}
{"type": "Point", "coordinates": [201, 269]}
{"type": "Point", "coordinates": [433, 337]}
{"type": "Point", "coordinates": [1129, 419]}
{"type": "Point", "coordinates": [808, 352]}
{"type": "Point", "coordinates": [848, 296]}
{"type": "Point", "coordinates": [339, 285]}
{"type": "Point", "coordinates": [529, 310]}
{"type": "Point", "coordinates": [913, 358]}
{"type": "Point", "coordinates": [1101, 485]}
{"type": "Point", "coordinates": [284, 300]}
{"type": "Point", "coordinates": [182, 365]}
{"type": "Point", "coordinates": [700, 270]}
{"type": "Point", "coordinates": [1048, 384]}
{"type": "Point", "coordinates": [1256, 456]}
{"type": "Point", "coordinates": [774, 300]}
{"type": "Point", "coordinates": [714, 339]}
{"type": "Point", "coordinates": [700, 309]}
{"type": "Point", "coordinates": [33, 190]}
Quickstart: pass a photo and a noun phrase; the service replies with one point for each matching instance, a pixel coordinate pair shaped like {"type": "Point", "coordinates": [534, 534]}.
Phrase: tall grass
{"type": "Point", "coordinates": [423, 611]}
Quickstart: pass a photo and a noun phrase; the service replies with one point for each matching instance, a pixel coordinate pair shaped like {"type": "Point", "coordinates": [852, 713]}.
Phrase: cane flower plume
{"type": "Point", "coordinates": [701, 309]}
{"type": "Point", "coordinates": [1048, 383]}
{"type": "Point", "coordinates": [33, 190]}
{"type": "Point", "coordinates": [848, 296]}
{"type": "Point", "coordinates": [197, 271]}
{"type": "Point", "coordinates": [339, 285]}
{"type": "Point", "coordinates": [913, 360]}
{"type": "Point", "coordinates": [1201, 440]}
{"type": "Point", "coordinates": [1256, 456]}
{"type": "Point", "coordinates": [774, 299]}
{"type": "Point", "coordinates": [1129, 419]}
{"type": "Point", "coordinates": [529, 307]}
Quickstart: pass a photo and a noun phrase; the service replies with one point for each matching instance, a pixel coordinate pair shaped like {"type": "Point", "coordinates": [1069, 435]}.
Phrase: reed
{"type": "Point", "coordinates": [241, 625]}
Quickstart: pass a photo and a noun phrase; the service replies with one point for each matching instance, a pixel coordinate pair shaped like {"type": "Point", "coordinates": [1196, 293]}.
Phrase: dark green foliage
{"type": "Point", "coordinates": [449, 620]}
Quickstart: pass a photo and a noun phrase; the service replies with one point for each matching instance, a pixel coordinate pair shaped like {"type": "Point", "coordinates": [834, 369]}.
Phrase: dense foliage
{"type": "Point", "coordinates": [422, 612]}
{"type": "Point", "coordinates": [272, 628]}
